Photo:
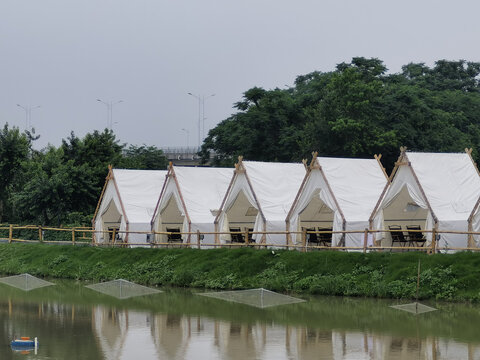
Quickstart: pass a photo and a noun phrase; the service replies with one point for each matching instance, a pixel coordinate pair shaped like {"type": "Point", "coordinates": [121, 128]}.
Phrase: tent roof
{"type": "Point", "coordinates": [202, 190]}
{"type": "Point", "coordinates": [450, 182]}
{"type": "Point", "coordinates": [275, 185]}
{"type": "Point", "coordinates": [139, 191]}
{"type": "Point", "coordinates": [357, 184]}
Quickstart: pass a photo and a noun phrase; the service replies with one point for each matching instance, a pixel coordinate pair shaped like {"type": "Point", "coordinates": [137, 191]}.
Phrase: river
{"type": "Point", "coordinates": [73, 322]}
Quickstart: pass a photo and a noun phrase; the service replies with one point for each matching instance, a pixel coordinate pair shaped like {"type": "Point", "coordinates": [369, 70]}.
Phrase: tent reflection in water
{"type": "Point", "coordinates": [122, 289]}
{"type": "Point", "coordinates": [25, 282]}
{"type": "Point", "coordinates": [429, 191]}
{"type": "Point", "coordinates": [260, 298]}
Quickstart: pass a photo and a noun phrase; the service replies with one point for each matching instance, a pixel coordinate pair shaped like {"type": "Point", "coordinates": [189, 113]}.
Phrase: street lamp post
{"type": "Point", "coordinates": [188, 134]}
{"type": "Point", "coordinates": [201, 115]}
{"type": "Point", "coordinates": [28, 114]}
{"type": "Point", "coordinates": [109, 105]}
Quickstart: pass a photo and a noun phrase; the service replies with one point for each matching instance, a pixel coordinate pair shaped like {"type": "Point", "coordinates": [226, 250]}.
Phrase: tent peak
{"type": "Point", "coordinates": [239, 165]}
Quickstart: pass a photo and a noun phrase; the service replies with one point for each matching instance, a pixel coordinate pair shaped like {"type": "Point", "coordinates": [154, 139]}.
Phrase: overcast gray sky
{"type": "Point", "coordinates": [65, 54]}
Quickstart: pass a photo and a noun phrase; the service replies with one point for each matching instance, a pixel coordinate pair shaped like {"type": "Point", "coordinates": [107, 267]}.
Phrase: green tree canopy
{"type": "Point", "coordinates": [356, 110]}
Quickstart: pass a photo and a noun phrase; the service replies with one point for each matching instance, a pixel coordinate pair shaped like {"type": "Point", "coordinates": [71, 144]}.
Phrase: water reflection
{"type": "Point", "coordinates": [77, 324]}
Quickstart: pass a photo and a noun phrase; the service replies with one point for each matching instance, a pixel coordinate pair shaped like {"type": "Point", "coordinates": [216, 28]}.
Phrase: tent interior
{"type": "Point", "coordinates": [171, 221]}
{"type": "Point", "coordinates": [316, 216]}
{"type": "Point", "coordinates": [241, 217]}
{"type": "Point", "coordinates": [403, 212]}
{"type": "Point", "coordinates": [111, 220]}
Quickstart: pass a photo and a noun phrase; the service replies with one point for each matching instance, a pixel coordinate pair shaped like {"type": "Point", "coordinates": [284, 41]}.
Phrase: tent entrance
{"type": "Point", "coordinates": [403, 214]}
{"type": "Point", "coordinates": [241, 217]}
{"type": "Point", "coordinates": [317, 216]}
{"type": "Point", "coordinates": [171, 221]}
{"type": "Point", "coordinates": [111, 220]}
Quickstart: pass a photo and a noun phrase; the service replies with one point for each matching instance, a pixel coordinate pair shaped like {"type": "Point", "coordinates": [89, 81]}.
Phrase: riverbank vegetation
{"type": "Point", "coordinates": [454, 277]}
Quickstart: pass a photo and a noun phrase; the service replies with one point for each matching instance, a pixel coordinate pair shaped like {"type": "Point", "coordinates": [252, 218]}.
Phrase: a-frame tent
{"type": "Point", "coordinates": [337, 194]}
{"type": "Point", "coordinates": [127, 204]}
{"type": "Point", "coordinates": [189, 201]}
{"type": "Point", "coordinates": [436, 191]}
{"type": "Point", "coordinates": [258, 199]}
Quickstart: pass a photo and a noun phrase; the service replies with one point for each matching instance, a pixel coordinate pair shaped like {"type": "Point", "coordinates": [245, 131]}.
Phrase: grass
{"type": "Point", "coordinates": [383, 275]}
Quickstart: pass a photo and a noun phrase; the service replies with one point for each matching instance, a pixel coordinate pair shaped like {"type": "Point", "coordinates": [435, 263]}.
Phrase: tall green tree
{"type": "Point", "coordinates": [143, 157]}
{"type": "Point", "coordinates": [55, 188]}
{"type": "Point", "coordinates": [356, 110]}
{"type": "Point", "coordinates": [14, 150]}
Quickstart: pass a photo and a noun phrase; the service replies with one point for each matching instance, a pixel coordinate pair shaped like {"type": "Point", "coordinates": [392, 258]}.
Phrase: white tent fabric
{"type": "Point", "coordinates": [356, 184]}
{"type": "Point", "coordinates": [135, 200]}
{"type": "Point", "coordinates": [451, 186]}
{"type": "Point", "coordinates": [202, 190]}
{"type": "Point", "coordinates": [275, 186]}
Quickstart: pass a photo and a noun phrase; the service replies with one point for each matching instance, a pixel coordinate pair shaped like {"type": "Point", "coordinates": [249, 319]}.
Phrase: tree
{"type": "Point", "coordinates": [356, 110]}
{"type": "Point", "coordinates": [143, 157]}
{"type": "Point", "coordinates": [96, 150]}
{"type": "Point", "coordinates": [14, 149]}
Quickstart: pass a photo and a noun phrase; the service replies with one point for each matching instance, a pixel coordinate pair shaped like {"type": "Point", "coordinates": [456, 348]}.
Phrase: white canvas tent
{"type": "Point", "coordinates": [189, 202]}
{"type": "Point", "coordinates": [337, 194]}
{"type": "Point", "coordinates": [127, 204]}
{"type": "Point", "coordinates": [258, 199]}
{"type": "Point", "coordinates": [434, 190]}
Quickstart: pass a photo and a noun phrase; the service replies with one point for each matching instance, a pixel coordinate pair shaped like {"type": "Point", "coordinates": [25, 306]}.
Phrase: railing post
{"type": "Point", "coordinates": [40, 234]}
{"type": "Point", "coordinates": [113, 236]}
{"type": "Point", "coordinates": [246, 237]}
{"type": "Point", "coordinates": [434, 241]}
{"type": "Point", "coordinates": [198, 239]}
{"type": "Point", "coordinates": [304, 240]}
{"type": "Point", "coordinates": [365, 240]}
{"type": "Point", "coordinates": [10, 233]}
{"type": "Point", "coordinates": [73, 236]}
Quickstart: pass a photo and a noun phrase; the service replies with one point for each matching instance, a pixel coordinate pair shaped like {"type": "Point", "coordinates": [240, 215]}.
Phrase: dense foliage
{"type": "Point", "coordinates": [62, 185]}
{"type": "Point", "coordinates": [357, 110]}
{"type": "Point", "coordinates": [385, 275]}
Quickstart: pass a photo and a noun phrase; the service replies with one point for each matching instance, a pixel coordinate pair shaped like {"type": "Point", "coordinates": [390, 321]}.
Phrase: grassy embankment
{"type": "Point", "coordinates": [389, 275]}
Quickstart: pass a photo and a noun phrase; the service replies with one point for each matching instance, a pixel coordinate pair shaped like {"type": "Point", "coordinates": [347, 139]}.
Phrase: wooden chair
{"type": "Point", "coordinates": [397, 235]}
{"type": "Point", "coordinates": [312, 236]}
{"type": "Point", "coordinates": [250, 235]}
{"type": "Point", "coordinates": [325, 239]}
{"type": "Point", "coordinates": [237, 235]}
{"type": "Point", "coordinates": [174, 235]}
{"type": "Point", "coordinates": [415, 236]}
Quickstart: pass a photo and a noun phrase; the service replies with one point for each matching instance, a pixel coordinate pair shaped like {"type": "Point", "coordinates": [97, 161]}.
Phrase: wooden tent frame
{"type": "Point", "coordinates": [404, 161]}
{"type": "Point", "coordinates": [171, 176]}
{"type": "Point", "coordinates": [471, 242]}
{"type": "Point", "coordinates": [239, 170]}
{"type": "Point", "coordinates": [110, 177]}
{"type": "Point", "coordinates": [315, 165]}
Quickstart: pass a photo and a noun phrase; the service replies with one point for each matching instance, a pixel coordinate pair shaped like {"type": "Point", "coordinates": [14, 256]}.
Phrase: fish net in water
{"type": "Point", "coordinates": [260, 298]}
{"type": "Point", "coordinates": [25, 282]}
{"type": "Point", "coordinates": [122, 289]}
{"type": "Point", "coordinates": [414, 308]}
